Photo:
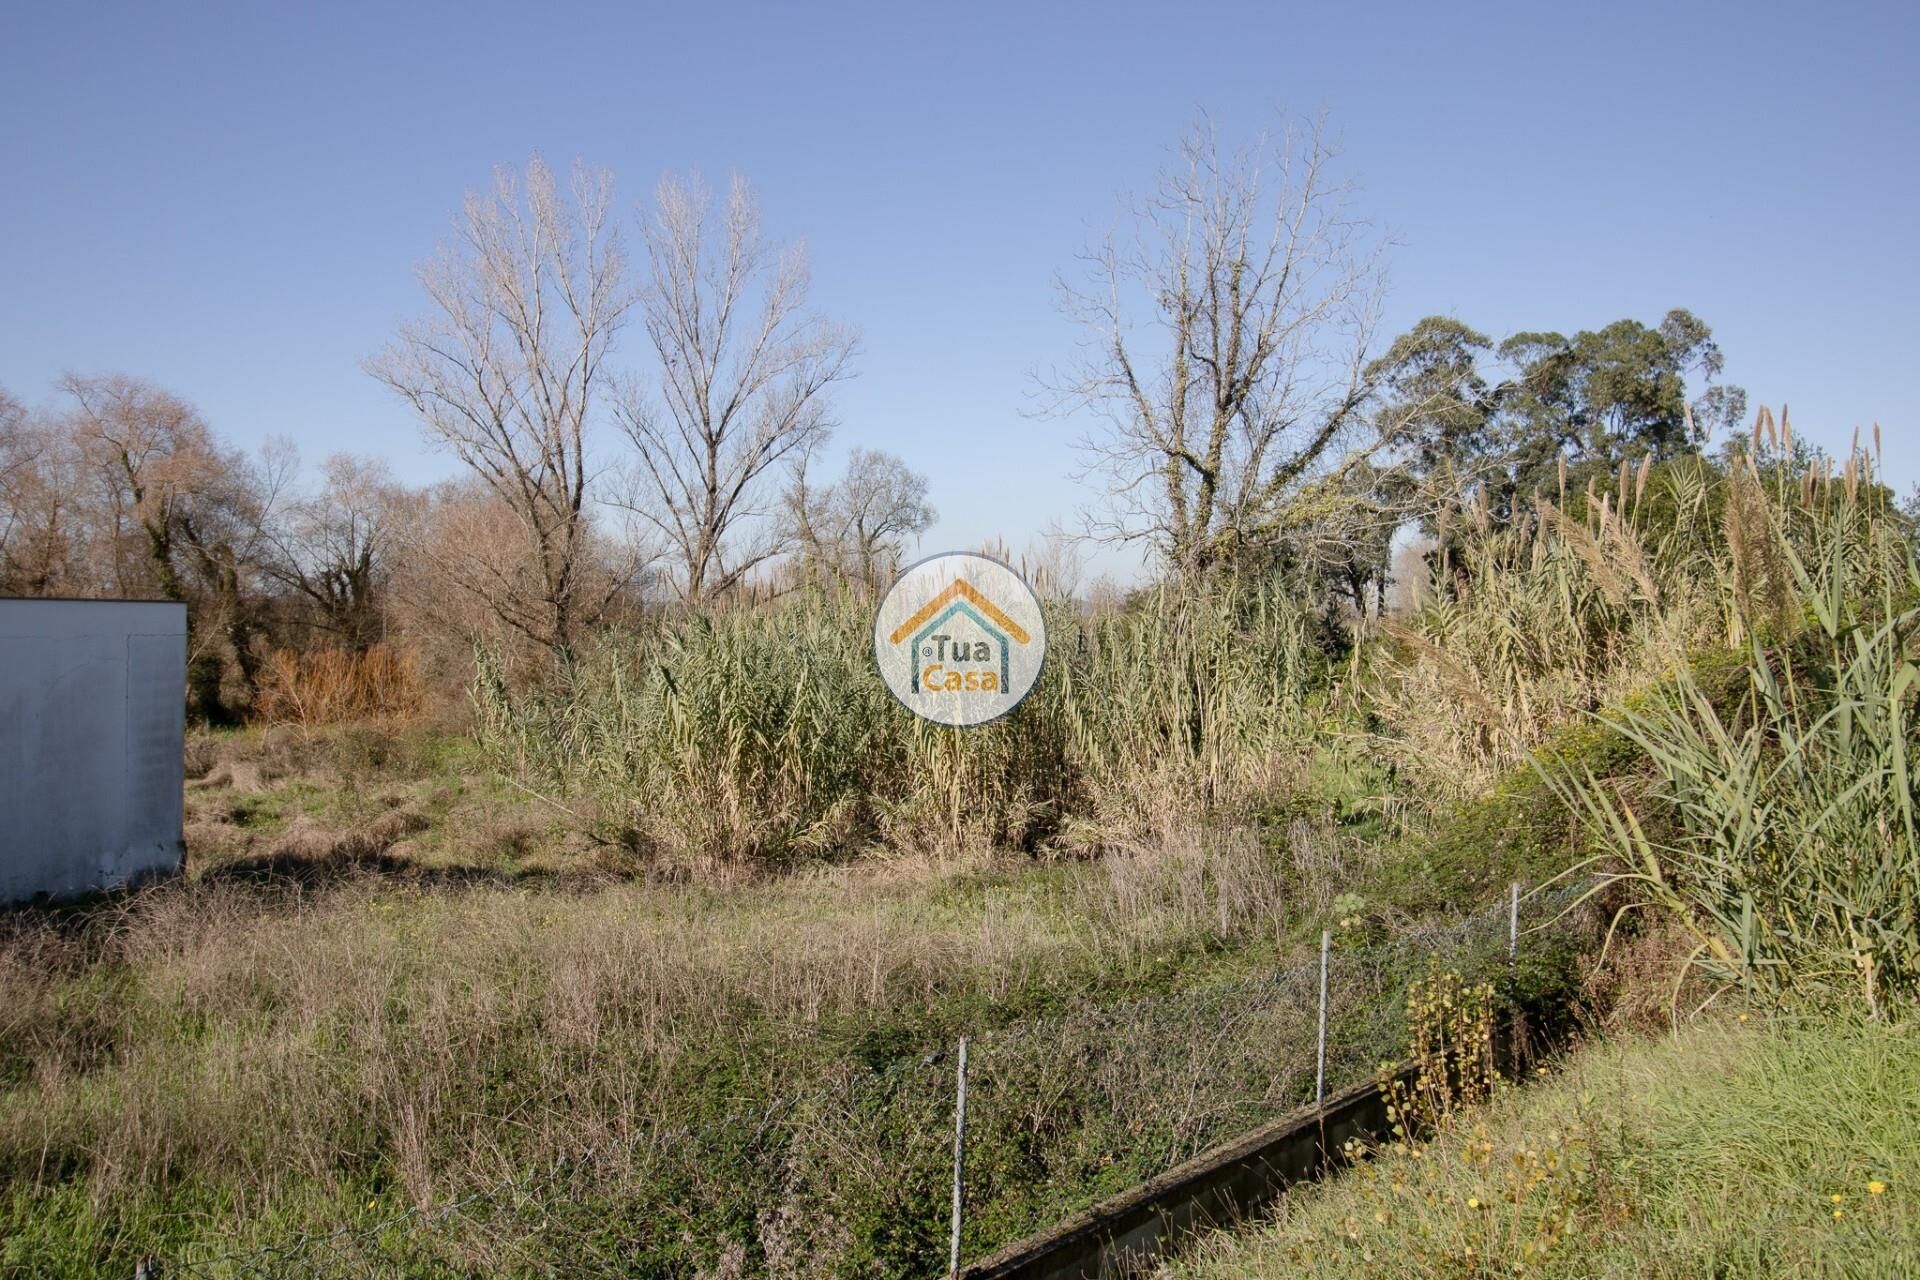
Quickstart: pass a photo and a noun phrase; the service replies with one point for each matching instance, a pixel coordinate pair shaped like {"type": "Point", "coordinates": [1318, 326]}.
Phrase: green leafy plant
{"type": "Point", "coordinates": [1788, 848]}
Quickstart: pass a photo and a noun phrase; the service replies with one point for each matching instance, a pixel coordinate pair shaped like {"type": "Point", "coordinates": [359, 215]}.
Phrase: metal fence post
{"type": "Point", "coordinates": [959, 1157]}
{"type": "Point", "coordinates": [1320, 1067]}
{"type": "Point", "coordinates": [1514, 1032]}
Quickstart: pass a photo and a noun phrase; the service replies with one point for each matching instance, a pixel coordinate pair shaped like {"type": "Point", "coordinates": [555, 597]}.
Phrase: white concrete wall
{"type": "Point", "coordinates": [92, 743]}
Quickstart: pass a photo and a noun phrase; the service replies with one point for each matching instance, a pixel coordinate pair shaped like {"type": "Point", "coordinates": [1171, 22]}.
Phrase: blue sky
{"type": "Point", "coordinates": [231, 200]}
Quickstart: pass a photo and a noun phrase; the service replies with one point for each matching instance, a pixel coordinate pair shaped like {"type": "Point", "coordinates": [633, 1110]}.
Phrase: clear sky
{"type": "Point", "coordinates": [229, 200]}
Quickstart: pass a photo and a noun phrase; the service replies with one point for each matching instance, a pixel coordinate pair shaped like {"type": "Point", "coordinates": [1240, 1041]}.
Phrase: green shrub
{"type": "Point", "coordinates": [1790, 851]}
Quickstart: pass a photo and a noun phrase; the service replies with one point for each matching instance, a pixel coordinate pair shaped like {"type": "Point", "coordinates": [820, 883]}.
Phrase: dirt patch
{"type": "Point", "coordinates": [245, 777]}
{"type": "Point", "coordinates": [306, 840]}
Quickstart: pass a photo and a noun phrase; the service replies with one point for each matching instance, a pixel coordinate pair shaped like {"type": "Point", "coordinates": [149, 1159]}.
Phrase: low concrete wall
{"type": "Point", "coordinates": [92, 736]}
{"type": "Point", "coordinates": [1216, 1189]}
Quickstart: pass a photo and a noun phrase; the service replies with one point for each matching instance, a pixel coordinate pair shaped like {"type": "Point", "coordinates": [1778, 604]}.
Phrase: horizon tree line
{"type": "Point", "coordinates": [1241, 418]}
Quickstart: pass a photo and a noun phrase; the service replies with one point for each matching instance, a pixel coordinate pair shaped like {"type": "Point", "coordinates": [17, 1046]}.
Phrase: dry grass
{"type": "Point", "coordinates": [388, 982]}
{"type": "Point", "coordinates": [1549, 619]}
{"type": "Point", "coordinates": [380, 685]}
{"type": "Point", "coordinates": [322, 801]}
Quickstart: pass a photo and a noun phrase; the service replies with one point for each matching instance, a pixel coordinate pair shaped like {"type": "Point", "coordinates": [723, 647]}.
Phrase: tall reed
{"type": "Point", "coordinates": [1787, 841]}
{"type": "Point", "coordinates": [764, 734]}
{"type": "Point", "coordinates": [1577, 603]}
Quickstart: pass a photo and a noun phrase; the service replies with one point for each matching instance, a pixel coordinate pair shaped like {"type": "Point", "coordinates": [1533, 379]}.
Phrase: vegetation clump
{"type": "Point", "coordinates": [565, 888]}
{"type": "Point", "coordinates": [1735, 1148]}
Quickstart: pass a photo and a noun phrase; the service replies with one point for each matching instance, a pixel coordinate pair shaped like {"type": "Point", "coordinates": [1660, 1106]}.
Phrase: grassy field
{"type": "Point", "coordinates": [650, 967]}
{"type": "Point", "coordinates": [393, 982]}
{"type": "Point", "coordinates": [1732, 1149]}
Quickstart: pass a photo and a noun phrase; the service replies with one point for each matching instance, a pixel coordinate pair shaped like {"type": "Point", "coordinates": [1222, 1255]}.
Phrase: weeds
{"type": "Point", "coordinates": [1730, 1150]}
{"type": "Point", "coordinates": [378, 685]}
{"type": "Point", "coordinates": [1788, 848]}
{"type": "Point", "coordinates": [214, 1058]}
{"type": "Point", "coordinates": [1450, 1046]}
{"type": "Point", "coordinates": [765, 737]}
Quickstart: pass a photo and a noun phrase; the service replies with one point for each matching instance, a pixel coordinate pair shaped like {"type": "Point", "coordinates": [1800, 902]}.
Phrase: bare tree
{"type": "Point", "coordinates": [744, 370]}
{"type": "Point", "coordinates": [507, 373]}
{"type": "Point", "coordinates": [150, 455]}
{"type": "Point", "coordinates": [464, 549]}
{"type": "Point", "coordinates": [16, 452]}
{"type": "Point", "coordinates": [20, 452]}
{"type": "Point", "coordinates": [50, 537]}
{"type": "Point", "coordinates": [857, 528]}
{"type": "Point", "coordinates": [335, 548]}
{"type": "Point", "coordinates": [1226, 349]}
{"type": "Point", "coordinates": [458, 546]}
{"type": "Point", "coordinates": [181, 517]}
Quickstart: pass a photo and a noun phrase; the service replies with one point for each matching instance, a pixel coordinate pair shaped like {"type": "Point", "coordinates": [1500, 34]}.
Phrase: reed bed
{"type": "Point", "coordinates": [1789, 850]}
{"type": "Point", "coordinates": [763, 736]}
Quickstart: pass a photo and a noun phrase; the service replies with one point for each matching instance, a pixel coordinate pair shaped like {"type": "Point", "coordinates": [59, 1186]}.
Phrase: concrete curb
{"type": "Point", "coordinates": [1215, 1189]}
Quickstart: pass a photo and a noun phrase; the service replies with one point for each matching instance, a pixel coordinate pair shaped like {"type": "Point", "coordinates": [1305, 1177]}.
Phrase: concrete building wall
{"type": "Point", "coordinates": [92, 744]}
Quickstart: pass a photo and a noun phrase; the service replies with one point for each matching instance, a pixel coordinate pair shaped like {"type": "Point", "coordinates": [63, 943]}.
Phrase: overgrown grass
{"type": "Point", "coordinates": [650, 975]}
{"type": "Point", "coordinates": [1730, 1150]}
{"type": "Point", "coordinates": [764, 736]}
{"type": "Point", "coordinates": [356, 1006]}
{"type": "Point", "coordinates": [1789, 846]}
{"type": "Point", "coordinates": [365, 1002]}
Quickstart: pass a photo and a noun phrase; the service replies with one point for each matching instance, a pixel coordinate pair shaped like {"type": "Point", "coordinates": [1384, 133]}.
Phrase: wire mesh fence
{"type": "Point", "coordinates": [854, 1174]}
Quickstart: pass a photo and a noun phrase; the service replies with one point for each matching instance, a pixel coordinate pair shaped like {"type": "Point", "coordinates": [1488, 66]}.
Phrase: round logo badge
{"type": "Point", "coordinates": [960, 639]}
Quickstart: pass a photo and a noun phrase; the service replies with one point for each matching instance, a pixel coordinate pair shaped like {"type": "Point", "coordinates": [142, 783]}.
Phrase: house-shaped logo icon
{"type": "Point", "coordinates": [960, 600]}
{"type": "Point", "coordinates": [960, 639]}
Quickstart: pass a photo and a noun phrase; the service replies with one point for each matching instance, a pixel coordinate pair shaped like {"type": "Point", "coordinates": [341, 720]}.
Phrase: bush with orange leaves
{"type": "Point", "coordinates": [334, 686]}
